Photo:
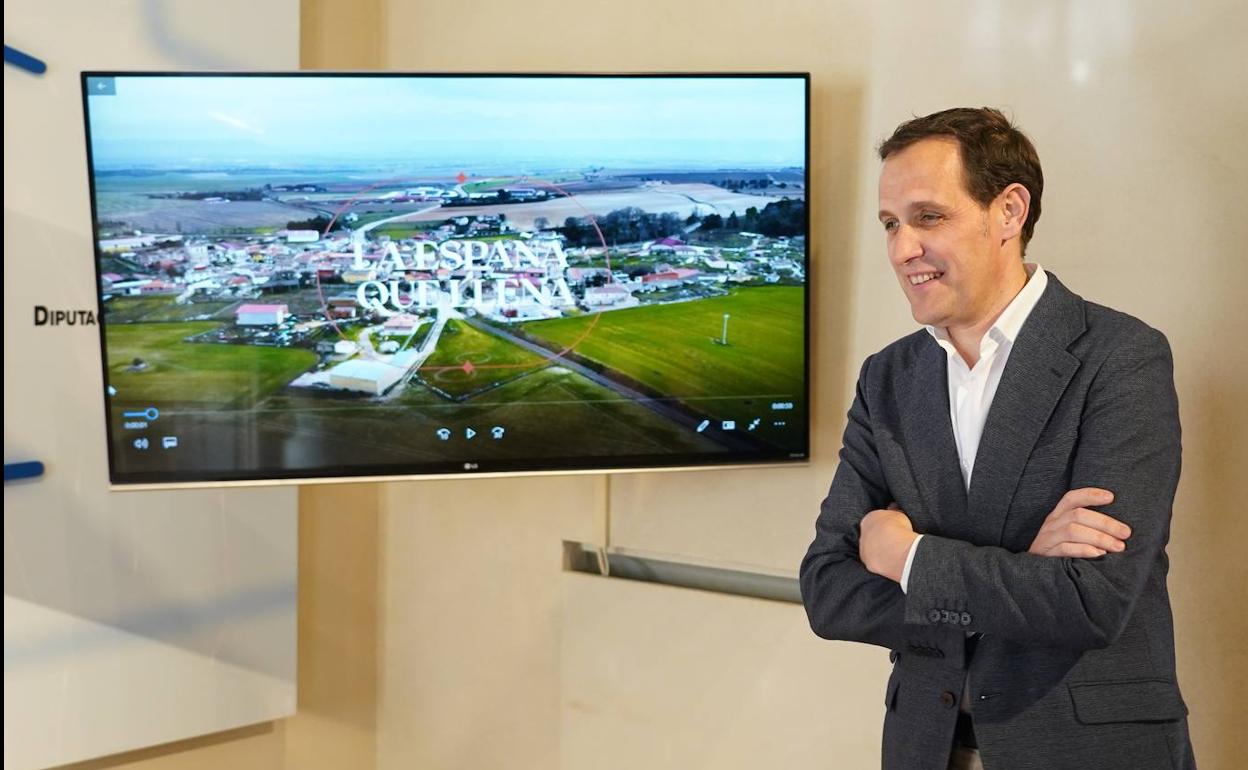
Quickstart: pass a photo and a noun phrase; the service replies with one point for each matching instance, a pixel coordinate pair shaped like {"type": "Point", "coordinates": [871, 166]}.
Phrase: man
{"type": "Point", "coordinates": [999, 516]}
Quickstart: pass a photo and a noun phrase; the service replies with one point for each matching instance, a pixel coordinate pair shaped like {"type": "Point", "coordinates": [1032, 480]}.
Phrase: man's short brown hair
{"type": "Point", "coordinates": [995, 154]}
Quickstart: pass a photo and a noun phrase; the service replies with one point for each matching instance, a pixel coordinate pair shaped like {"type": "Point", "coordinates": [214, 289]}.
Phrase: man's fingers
{"type": "Point", "coordinates": [1107, 524]}
{"type": "Point", "coordinates": [1084, 497]}
{"type": "Point", "coordinates": [1078, 533]}
{"type": "Point", "coordinates": [1076, 550]}
{"type": "Point", "coordinates": [1079, 530]}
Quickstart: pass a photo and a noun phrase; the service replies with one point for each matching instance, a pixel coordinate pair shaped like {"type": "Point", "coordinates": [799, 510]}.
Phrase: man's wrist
{"type": "Point", "coordinates": [897, 564]}
{"type": "Point", "coordinates": [885, 542]}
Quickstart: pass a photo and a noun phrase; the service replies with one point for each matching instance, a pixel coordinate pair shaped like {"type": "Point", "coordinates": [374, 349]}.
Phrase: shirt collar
{"type": "Point", "coordinates": [1010, 322]}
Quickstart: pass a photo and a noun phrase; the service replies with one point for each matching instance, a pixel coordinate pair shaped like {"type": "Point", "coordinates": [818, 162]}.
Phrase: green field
{"type": "Point", "coordinates": [398, 231]}
{"type": "Point", "coordinates": [673, 348]}
{"type": "Point", "coordinates": [196, 373]}
{"type": "Point", "coordinates": [518, 181]}
{"type": "Point", "coordinates": [161, 308]}
{"type": "Point", "coordinates": [461, 343]}
{"type": "Point", "coordinates": [723, 238]}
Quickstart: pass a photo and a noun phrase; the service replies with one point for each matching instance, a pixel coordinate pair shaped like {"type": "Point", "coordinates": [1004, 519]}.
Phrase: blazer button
{"type": "Point", "coordinates": [933, 615]}
{"type": "Point", "coordinates": [966, 618]}
{"type": "Point", "coordinates": [948, 699]}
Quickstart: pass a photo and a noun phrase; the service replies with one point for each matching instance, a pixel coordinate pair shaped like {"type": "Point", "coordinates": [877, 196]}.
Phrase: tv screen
{"type": "Point", "coordinates": [310, 276]}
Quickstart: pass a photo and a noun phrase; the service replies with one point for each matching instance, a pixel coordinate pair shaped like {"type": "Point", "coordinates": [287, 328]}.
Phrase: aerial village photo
{"type": "Point", "coordinates": [381, 272]}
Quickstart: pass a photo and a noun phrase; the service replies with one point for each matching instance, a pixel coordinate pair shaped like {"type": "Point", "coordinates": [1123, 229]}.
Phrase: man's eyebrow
{"type": "Point", "coordinates": [923, 204]}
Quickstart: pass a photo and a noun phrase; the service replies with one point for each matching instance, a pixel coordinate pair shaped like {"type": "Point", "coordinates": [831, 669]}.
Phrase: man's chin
{"type": "Point", "coordinates": [926, 317]}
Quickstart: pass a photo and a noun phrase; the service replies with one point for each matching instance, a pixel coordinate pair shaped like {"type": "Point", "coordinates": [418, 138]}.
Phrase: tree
{"type": "Point", "coordinates": [575, 231]}
{"type": "Point", "coordinates": [541, 223]}
{"type": "Point", "coordinates": [318, 223]}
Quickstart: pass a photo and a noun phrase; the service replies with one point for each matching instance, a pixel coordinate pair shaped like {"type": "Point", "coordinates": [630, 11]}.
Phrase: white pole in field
{"type": "Point", "coordinates": [723, 340]}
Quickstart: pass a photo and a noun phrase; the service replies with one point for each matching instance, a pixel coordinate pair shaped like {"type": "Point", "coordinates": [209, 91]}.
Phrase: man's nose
{"type": "Point", "coordinates": [906, 245]}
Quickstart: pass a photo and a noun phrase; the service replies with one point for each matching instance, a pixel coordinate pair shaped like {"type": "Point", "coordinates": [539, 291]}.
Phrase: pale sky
{"type": "Point", "coordinates": [206, 120]}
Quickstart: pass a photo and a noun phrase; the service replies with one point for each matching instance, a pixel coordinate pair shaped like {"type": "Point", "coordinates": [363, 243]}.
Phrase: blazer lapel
{"type": "Point", "coordinates": [1035, 377]}
{"type": "Point", "coordinates": [928, 439]}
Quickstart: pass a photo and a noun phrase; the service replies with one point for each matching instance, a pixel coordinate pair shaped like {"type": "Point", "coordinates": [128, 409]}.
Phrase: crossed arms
{"type": "Point", "coordinates": [1078, 583]}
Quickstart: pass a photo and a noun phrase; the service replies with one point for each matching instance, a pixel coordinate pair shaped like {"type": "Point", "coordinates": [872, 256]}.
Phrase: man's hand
{"type": "Point", "coordinates": [1074, 530]}
{"type": "Point", "coordinates": [885, 542]}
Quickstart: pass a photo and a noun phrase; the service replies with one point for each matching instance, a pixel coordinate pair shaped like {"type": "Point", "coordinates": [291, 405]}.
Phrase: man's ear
{"type": "Point", "coordinates": [1015, 202]}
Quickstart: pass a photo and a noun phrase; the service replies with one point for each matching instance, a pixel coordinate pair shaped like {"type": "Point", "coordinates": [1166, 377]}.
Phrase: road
{"type": "Point", "coordinates": [427, 346]}
{"type": "Point", "coordinates": [357, 235]}
{"type": "Point", "coordinates": [735, 440]}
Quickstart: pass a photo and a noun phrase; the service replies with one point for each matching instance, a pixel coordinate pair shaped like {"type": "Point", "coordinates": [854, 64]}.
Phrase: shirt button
{"type": "Point", "coordinates": [933, 615]}
{"type": "Point", "coordinates": [948, 699]}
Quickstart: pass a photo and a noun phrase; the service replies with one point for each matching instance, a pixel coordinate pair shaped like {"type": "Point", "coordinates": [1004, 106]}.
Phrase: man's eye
{"type": "Point", "coordinates": [929, 217]}
{"type": "Point", "coordinates": [890, 225]}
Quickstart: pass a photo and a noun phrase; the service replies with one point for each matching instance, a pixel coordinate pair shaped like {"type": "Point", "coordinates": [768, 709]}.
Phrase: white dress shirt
{"type": "Point", "coordinates": [971, 390]}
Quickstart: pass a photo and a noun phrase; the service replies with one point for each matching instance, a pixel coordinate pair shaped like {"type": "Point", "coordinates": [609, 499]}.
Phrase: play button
{"type": "Point", "coordinates": [469, 433]}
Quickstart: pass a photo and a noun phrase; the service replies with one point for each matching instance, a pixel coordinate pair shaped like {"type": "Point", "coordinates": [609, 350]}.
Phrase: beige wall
{"type": "Point", "coordinates": [487, 655]}
{"type": "Point", "coordinates": [342, 34]}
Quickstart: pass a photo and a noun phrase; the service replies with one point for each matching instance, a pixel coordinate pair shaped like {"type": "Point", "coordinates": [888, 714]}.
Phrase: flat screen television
{"type": "Point", "coordinates": [316, 276]}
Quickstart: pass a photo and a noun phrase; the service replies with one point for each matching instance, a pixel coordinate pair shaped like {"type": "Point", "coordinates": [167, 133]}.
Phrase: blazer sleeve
{"type": "Point", "coordinates": [1129, 443]}
{"type": "Point", "coordinates": [842, 599]}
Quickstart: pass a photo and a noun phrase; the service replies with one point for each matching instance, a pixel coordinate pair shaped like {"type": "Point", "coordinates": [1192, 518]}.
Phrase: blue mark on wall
{"type": "Point", "coordinates": [24, 60]}
{"type": "Point", "coordinates": [19, 471]}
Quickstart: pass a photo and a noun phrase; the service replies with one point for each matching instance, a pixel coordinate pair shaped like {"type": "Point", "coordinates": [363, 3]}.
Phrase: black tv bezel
{"type": "Point", "coordinates": [457, 468]}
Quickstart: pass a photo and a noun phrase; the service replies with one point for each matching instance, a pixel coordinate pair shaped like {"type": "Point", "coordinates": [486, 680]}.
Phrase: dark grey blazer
{"type": "Point", "coordinates": [1075, 666]}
